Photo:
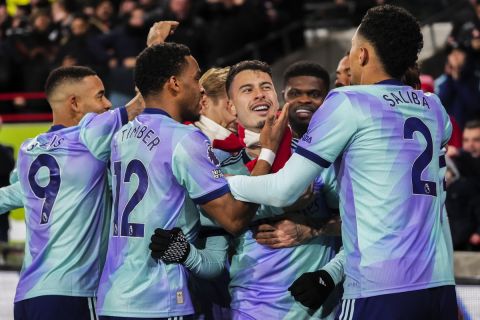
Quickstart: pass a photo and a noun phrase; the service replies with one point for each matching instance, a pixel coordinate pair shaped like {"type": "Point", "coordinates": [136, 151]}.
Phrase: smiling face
{"type": "Point", "coordinates": [253, 95]}
{"type": "Point", "coordinates": [90, 96]}
{"type": "Point", "coordinates": [305, 94]}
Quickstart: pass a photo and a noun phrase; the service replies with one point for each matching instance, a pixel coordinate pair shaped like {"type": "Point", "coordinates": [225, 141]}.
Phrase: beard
{"type": "Point", "coordinates": [300, 125]}
{"type": "Point", "coordinates": [190, 114]}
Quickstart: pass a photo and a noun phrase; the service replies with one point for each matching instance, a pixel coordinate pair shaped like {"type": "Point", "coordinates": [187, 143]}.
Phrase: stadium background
{"type": "Point", "coordinates": [310, 29]}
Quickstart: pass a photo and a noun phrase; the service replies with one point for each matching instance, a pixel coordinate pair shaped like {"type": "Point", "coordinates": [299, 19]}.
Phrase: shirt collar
{"type": "Point", "coordinates": [156, 111]}
{"type": "Point", "coordinates": [392, 82]}
{"type": "Point", "coordinates": [56, 127]}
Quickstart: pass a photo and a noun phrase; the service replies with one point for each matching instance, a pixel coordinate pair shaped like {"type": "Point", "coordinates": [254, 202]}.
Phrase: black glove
{"type": "Point", "coordinates": [312, 288]}
{"type": "Point", "coordinates": [170, 246]}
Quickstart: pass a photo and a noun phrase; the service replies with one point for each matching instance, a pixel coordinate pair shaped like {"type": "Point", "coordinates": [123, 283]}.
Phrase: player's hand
{"type": "Point", "coordinates": [312, 288]}
{"type": "Point", "coordinates": [285, 233]}
{"type": "Point", "coordinates": [135, 106]}
{"type": "Point", "coordinates": [160, 31]}
{"type": "Point", "coordinates": [170, 246]}
{"type": "Point", "coordinates": [332, 227]}
{"type": "Point", "coordinates": [272, 132]}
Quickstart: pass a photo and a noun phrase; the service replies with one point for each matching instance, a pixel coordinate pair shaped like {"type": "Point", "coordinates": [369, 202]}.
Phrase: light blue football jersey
{"type": "Point", "coordinates": [384, 141]}
{"type": "Point", "coordinates": [161, 170]}
{"type": "Point", "coordinates": [63, 179]}
{"type": "Point", "coordinates": [260, 276]}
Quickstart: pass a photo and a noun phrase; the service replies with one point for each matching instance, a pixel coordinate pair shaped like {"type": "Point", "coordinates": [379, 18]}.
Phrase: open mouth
{"type": "Point", "coordinates": [261, 109]}
{"type": "Point", "coordinates": [304, 112]}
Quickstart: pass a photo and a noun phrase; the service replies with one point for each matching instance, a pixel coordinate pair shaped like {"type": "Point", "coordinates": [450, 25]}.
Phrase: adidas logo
{"type": "Point", "coordinates": [320, 280]}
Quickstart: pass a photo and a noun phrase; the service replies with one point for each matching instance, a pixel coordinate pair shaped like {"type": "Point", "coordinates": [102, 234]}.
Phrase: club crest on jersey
{"type": "Point", "coordinates": [211, 155]}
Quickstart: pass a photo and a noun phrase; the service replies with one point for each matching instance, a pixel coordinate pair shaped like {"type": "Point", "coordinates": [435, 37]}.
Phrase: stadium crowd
{"type": "Point", "coordinates": [107, 35]}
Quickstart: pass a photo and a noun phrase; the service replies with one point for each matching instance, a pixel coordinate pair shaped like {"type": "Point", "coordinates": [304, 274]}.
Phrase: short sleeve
{"type": "Point", "coordinates": [331, 129]}
{"type": "Point", "coordinates": [97, 131]}
{"type": "Point", "coordinates": [196, 168]}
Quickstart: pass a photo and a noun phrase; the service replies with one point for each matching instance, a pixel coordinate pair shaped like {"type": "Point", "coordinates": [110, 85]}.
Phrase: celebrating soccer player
{"type": "Point", "coordinates": [384, 139]}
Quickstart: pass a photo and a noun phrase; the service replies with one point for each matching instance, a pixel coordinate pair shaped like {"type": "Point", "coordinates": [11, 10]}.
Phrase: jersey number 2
{"type": "Point", "coordinates": [129, 229]}
{"type": "Point", "coordinates": [420, 186]}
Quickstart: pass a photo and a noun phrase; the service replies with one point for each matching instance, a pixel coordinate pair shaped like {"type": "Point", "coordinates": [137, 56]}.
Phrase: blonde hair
{"type": "Point", "coordinates": [213, 81]}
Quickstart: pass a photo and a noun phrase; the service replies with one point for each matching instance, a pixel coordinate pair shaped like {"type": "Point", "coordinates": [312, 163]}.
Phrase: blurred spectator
{"type": "Point", "coordinates": [62, 18]}
{"type": "Point", "coordinates": [463, 195]}
{"type": "Point", "coordinates": [103, 17]}
{"type": "Point", "coordinates": [126, 41]}
{"type": "Point", "coordinates": [82, 46]}
{"type": "Point", "coordinates": [36, 52]}
{"type": "Point", "coordinates": [459, 86]}
{"type": "Point", "coordinates": [191, 30]}
{"type": "Point", "coordinates": [5, 20]}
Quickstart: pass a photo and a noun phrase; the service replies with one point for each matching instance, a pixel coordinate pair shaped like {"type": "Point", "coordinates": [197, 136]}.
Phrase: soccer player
{"type": "Point", "coordinates": [161, 170]}
{"type": "Point", "coordinates": [259, 275]}
{"type": "Point", "coordinates": [66, 207]}
{"type": "Point", "coordinates": [343, 74]}
{"type": "Point", "coordinates": [306, 85]}
{"type": "Point", "coordinates": [384, 140]}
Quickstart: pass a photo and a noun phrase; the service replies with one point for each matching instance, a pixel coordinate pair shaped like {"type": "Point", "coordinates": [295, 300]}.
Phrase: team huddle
{"type": "Point", "coordinates": [203, 199]}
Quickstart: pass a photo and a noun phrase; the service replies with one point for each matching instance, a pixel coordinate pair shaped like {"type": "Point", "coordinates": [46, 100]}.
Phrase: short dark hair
{"type": "Point", "coordinates": [62, 74]}
{"type": "Point", "coordinates": [307, 68]}
{"type": "Point", "coordinates": [156, 64]}
{"type": "Point", "coordinates": [245, 65]}
{"type": "Point", "coordinates": [396, 36]}
{"type": "Point", "coordinates": [472, 124]}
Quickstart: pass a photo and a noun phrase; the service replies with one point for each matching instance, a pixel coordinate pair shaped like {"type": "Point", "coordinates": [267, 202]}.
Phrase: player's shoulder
{"type": "Point", "coordinates": [350, 93]}
{"type": "Point", "coordinates": [52, 139]}
{"type": "Point", "coordinates": [187, 131]}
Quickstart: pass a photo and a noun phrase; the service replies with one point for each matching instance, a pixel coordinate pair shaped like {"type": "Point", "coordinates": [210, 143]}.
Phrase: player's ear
{"type": "Point", "coordinates": [363, 57]}
{"type": "Point", "coordinates": [203, 104]}
{"type": "Point", "coordinates": [73, 103]}
{"type": "Point", "coordinates": [173, 85]}
{"type": "Point", "coordinates": [232, 106]}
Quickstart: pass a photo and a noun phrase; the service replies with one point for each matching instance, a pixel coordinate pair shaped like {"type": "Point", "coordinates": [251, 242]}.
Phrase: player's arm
{"type": "Point", "coordinates": [194, 151]}
{"type": "Point", "coordinates": [11, 197]}
{"type": "Point", "coordinates": [171, 246]}
{"type": "Point", "coordinates": [332, 128]}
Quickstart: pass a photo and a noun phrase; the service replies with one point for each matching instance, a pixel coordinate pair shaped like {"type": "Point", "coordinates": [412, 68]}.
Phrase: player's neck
{"type": "Point", "coordinates": [64, 120]}
{"type": "Point", "coordinates": [374, 75]}
{"type": "Point", "coordinates": [158, 102]}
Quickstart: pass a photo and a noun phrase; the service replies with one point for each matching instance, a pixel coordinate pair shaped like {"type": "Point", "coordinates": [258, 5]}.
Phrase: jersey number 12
{"type": "Point", "coordinates": [129, 229]}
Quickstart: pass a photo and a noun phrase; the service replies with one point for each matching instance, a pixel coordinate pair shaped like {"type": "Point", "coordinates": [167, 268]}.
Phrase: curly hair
{"type": "Point", "coordinates": [395, 34]}
{"type": "Point", "coordinates": [156, 64]}
{"type": "Point", "coordinates": [307, 68]}
{"type": "Point", "coordinates": [254, 65]}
